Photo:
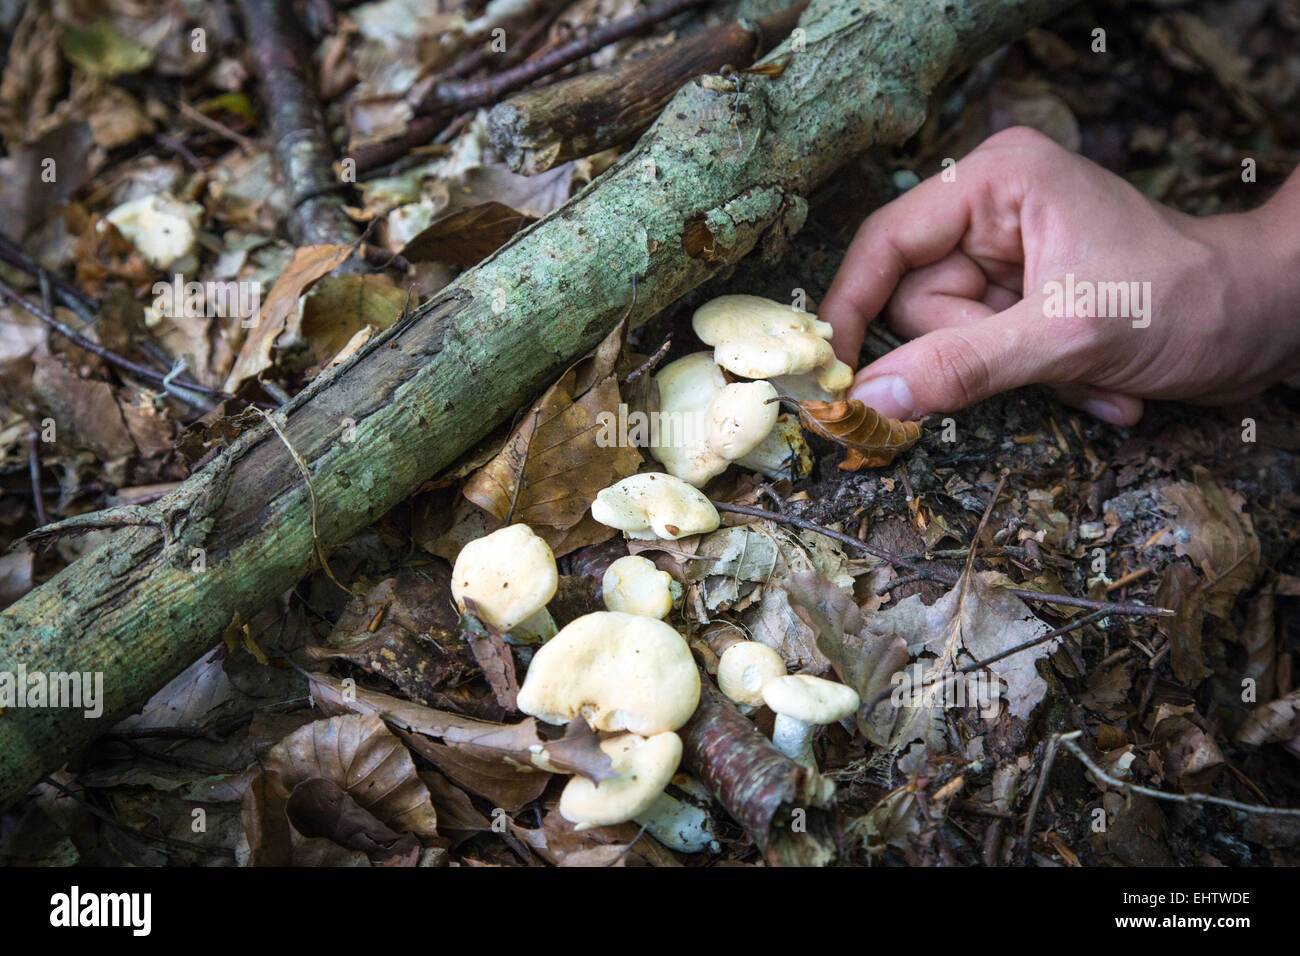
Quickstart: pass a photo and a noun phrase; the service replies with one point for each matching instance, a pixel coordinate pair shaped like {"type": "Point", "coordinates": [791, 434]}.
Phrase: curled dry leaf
{"type": "Point", "coordinates": [356, 753]}
{"type": "Point", "coordinates": [872, 440]}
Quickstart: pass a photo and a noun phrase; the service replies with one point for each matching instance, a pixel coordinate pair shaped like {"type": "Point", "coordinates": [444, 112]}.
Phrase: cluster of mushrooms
{"type": "Point", "coordinates": [625, 671]}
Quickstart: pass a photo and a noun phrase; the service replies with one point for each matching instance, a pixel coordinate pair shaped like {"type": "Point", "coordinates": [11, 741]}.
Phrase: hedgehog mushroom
{"type": "Point", "coordinates": [655, 505]}
{"type": "Point", "coordinates": [758, 338]}
{"type": "Point", "coordinates": [616, 671]}
{"type": "Point", "coordinates": [802, 704]}
{"type": "Point", "coordinates": [706, 424]}
{"type": "Point", "coordinates": [509, 575]}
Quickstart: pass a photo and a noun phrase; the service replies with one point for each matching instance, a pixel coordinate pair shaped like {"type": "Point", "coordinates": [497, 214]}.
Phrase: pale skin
{"type": "Point", "coordinates": [961, 269]}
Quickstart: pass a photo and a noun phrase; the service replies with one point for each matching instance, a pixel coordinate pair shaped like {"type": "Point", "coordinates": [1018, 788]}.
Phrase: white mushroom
{"type": "Point", "coordinates": [801, 704]}
{"type": "Point", "coordinates": [634, 585]}
{"type": "Point", "coordinates": [164, 229]}
{"type": "Point", "coordinates": [644, 766]}
{"type": "Point", "coordinates": [759, 338]}
{"type": "Point", "coordinates": [784, 453]}
{"type": "Point", "coordinates": [705, 424]}
{"type": "Point", "coordinates": [682, 825]}
{"type": "Point", "coordinates": [743, 670]}
{"type": "Point", "coordinates": [617, 671]}
{"type": "Point", "coordinates": [510, 575]}
{"type": "Point", "coordinates": [655, 505]}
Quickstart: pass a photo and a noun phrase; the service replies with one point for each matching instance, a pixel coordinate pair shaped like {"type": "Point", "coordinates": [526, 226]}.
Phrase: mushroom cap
{"type": "Point", "coordinates": [633, 585]}
{"type": "Point", "coordinates": [617, 671]}
{"type": "Point", "coordinates": [508, 574]}
{"type": "Point", "coordinates": [645, 765]}
{"type": "Point", "coordinates": [162, 228]}
{"type": "Point", "coordinates": [705, 423]}
{"type": "Point", "coordinates": [655, 505]}
{"type": "Point", "coordinates": [745, 668]}
{"type": "Point", "coordinates": [740, 416]}
{"type": "Point", "coordinates": [760, 338]}
{"type": "Point", "coordinates": [812, 700]}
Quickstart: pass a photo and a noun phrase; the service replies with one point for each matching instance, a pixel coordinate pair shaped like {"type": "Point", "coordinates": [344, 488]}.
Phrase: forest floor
{"type": "Point", "coordinates": [1193, 509]}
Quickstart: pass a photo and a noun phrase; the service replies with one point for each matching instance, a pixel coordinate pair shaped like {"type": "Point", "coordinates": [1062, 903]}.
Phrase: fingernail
{"type": "Point", "coordinates": [888, 394]}
{"type": "Point", "coordinates": [1106, 411]}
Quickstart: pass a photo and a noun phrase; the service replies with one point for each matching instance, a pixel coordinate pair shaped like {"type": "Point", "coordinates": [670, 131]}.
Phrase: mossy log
{"type": "Point", "coordinates": [720, 174]}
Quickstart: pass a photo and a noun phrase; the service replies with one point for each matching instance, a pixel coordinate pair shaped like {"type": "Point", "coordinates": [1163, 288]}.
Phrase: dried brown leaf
{"type": "Point", "coordinates": [1211, 529]}
{"type": "Point", "coordinates": [308, 265]}
{"type": "Point", "coordinates": [465, 237]}
{"type": "Point", "coordinates": [872, 439]}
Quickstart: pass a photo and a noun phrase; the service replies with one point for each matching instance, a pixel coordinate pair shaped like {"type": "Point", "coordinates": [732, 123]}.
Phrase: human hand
{"type": "Point", "coordinates": [965, 269]}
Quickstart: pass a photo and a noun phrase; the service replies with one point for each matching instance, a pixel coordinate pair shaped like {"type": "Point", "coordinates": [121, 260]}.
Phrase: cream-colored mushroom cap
{"type": "Point", "coordinates": [760, 338]}
{"type": "Point", "coordinates": [634, 585]}
{"type": "Point", "coordinates": [705, 423]}
{"type": "Point", "coordinates": [812, 700]}
{"type": "Point", "coordinates": [745, 668]}
{"type": "Point", "coordinates": [645, 765]}
{"type": "Point", "coordinates": [655, 505]}
{"type": "Point", "coordinates": [508, 574]}
{"type": "Point", "coordinates": [616, 671]}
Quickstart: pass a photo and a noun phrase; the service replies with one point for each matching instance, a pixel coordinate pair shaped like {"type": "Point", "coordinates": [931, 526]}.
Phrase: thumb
{"type": "Point", "coordinates": [951, 368]}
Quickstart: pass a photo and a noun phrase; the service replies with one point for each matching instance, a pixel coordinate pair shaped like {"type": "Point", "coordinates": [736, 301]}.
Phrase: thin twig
{"type": "Point", "coordinates": [141, 371]}
{"type": "Point", "coordinates": [138, 834]}
{"type": "Point", "coordinates": [315, 504]}
{"type": "Point", "coordinates": [1040, 788]}
{"type": "Point", "coordinates": [1195, 799]}
{"type": "Point", "coordinates": [34, 468]}
{"type": "Point", "coordinates": [649, 363]}
{"type": "Point", "coordinates": [467, 94]}
{"type": "Point", "coordinates": [934, 573]}
{"type": "Point", "coordinates": [978, 665]}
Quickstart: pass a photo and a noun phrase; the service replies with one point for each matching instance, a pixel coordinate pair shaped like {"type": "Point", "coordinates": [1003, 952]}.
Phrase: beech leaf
{"type": "Point", "coordinates": [872, 440]}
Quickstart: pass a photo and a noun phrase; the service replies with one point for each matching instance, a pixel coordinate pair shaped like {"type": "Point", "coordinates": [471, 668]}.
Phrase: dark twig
{"type": "Point", "coordinates": [435, 102]}
{"type": "Point", "coordinates": [943, 575]}
{"type": "Point", "coordinates": [649, 363]}
{"type": "Point", "coordinates": [865, 712]}
{"type": "Point", "coordinates": [297, 125]}
{"type": "Point", "coordinates": [141, 371]}
{"type": "Point", "coordinates": [449, 97]}
{"type": "Point", "coordinates": [34, 467]}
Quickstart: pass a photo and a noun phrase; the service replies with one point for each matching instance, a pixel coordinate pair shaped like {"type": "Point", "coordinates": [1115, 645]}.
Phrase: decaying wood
{"type": "Point", "coordinates": [541, 128]}
{"type": "Point", "coordinates": [297, 124]}
{"type": "Point", "coordinates": [758, 786]}
{"type": "Point", "coordinates": [691, 198]}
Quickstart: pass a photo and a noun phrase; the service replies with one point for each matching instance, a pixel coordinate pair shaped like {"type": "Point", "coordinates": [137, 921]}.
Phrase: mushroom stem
{"type": "Point", "coordinates": [538, 626]}
{"type": "Point", "coordinates": [679, 826]}
{"type": "Point", "coordinates": [793, 737]}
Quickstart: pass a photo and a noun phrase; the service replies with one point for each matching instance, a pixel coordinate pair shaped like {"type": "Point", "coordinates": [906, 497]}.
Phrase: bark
{"type": "Point", "coordinates": [758, 786]}
{"type": "Point", "coordinates": [689, 199]}
{"type": "Point", "coordinates": [538, 129]}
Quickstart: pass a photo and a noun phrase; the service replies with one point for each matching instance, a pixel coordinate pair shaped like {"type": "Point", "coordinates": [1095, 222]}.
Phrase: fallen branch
{"type": "Point", "coordinates": [434, 102]}
{"type": "Point", "coordinates": [538, 129]}
{"type": "Point", "coordinates": [140, 608]}
{"type": "Point", "coordinates": [757, 785]}
{"type": "Point", "coordinates": [302, 142]}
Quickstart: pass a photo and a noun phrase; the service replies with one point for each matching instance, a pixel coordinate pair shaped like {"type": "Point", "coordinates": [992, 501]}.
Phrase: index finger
{"type": "Point", "coordinates": [918, 228]}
